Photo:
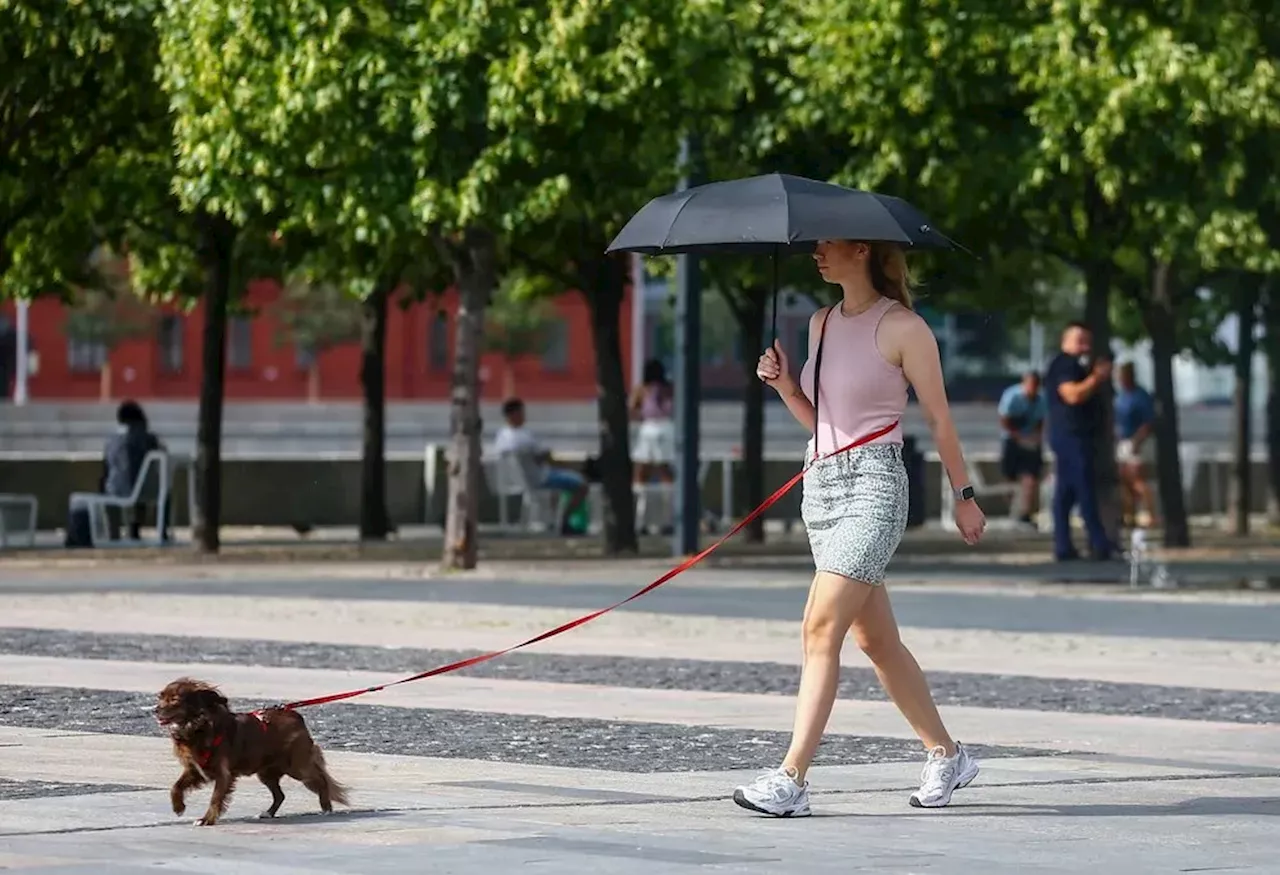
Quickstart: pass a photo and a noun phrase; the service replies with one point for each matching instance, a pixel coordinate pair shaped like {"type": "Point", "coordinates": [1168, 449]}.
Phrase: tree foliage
{"type": "Point", "coordinates": [77, 88]}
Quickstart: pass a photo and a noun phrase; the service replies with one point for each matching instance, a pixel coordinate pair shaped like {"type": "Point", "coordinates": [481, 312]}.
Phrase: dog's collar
{"type": "Point", "coordinates": [206, 755]}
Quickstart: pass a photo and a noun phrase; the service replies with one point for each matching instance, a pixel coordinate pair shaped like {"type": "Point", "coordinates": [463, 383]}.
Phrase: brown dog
{"type": "Point", "coordinates": [215, 744]}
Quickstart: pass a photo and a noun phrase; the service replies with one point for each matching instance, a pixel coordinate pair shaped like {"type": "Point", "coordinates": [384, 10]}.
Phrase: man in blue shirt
{"type": "Point", "coordinates": [1022, 413]}
{"type": "Point", "coordinates": [1135, 444]}
{"type": "Point", "coordinates": [1071, 384]}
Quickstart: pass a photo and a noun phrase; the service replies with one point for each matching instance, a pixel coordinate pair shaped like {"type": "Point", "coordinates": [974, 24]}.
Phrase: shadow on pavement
{"type": "Point", "coordinates": [1205, 806]}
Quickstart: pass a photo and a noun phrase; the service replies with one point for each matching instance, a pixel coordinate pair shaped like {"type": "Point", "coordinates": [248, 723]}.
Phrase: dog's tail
{"type": "Point", "coordinates": [337, 792]}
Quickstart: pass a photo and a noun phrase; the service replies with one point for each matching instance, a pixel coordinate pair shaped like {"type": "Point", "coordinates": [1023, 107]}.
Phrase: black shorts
{"type": "Point", "coordinates": [1017, 461]}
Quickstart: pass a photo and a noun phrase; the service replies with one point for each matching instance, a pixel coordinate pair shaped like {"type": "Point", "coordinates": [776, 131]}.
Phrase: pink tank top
{"type": "Point", "coordinates": [656, 403]}
{"type": "Point", "coordinates": [861, 392]}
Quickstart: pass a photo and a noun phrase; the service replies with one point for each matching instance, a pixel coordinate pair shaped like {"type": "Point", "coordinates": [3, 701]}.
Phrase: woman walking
{"type": "Point", "coordinates": [863, 353]}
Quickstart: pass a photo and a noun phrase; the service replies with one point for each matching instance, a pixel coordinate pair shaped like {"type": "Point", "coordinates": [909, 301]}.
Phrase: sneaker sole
{"type": "Point", "coordinates": [915, 802]}
{"type": "Point", "coordinates": [743, 802]}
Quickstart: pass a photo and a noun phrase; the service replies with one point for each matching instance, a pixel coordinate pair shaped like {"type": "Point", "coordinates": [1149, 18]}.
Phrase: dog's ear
{"type": "Point", "coordinates": [209, 698]}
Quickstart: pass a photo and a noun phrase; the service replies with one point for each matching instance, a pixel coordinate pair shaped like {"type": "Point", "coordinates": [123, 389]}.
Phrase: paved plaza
{"type": "Point", "coordinates": [1119, 732]}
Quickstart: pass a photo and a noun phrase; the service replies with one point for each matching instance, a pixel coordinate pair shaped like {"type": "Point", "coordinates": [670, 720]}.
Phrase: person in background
{"type": "Point", "coordinates": [1022, 413]}
{"type": "Point", "coordinates": [1135, 413]}
{"type": "Point", "coordinates": [122, 459]}
{"type": "Point", "coordinates": [515, 437]}
{"type": "Point", "coordinates": [1075, 416]}
{"type": "Point", "coordinates": [651, 404]}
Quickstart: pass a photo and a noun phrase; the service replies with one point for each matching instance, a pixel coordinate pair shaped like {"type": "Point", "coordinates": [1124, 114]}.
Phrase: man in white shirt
{"type": "Point", "coordinates": [515, 437]}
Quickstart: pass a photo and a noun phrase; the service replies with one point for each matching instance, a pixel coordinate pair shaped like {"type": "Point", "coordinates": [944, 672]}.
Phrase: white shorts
{"type": "Point", "coordinates": [1144, 455]}
{"type": "Point", "coordinates": [655, 442]}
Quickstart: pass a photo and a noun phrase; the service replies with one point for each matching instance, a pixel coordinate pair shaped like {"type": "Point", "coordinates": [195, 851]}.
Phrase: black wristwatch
{"type": "Point", "coordinates": [964, 493]}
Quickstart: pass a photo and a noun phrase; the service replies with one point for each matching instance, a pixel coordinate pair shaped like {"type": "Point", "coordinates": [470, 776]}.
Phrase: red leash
{"type": "Point", "coordinates": [573, 624]}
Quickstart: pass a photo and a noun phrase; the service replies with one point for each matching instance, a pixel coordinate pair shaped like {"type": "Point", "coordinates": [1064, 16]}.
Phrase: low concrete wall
{"type": "Point", "coordinates": [326, 491]}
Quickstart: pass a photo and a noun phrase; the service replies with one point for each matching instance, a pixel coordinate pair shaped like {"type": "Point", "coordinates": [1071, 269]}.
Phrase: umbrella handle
{"type": "Point", "coordinates": [774, 330]}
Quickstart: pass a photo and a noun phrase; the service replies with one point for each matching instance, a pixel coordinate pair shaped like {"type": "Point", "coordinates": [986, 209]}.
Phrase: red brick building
{"type": "Point", "coordinates": [418, 356]}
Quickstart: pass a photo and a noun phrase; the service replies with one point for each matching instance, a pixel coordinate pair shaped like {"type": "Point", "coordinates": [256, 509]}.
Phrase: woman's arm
{"type": "Point", "coordinates": [801, 408]}
{"type": "Point", "coordinates": [923, 369]}
{"type": "Point", "coordinates": [775, 370]}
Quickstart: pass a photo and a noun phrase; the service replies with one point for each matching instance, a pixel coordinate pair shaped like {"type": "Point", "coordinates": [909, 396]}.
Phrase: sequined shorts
{"type": "Point", "coordinates": [854, 508]}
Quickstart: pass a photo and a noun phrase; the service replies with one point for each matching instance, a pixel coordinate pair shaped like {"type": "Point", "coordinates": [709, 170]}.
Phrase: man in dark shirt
{"type": "Point", "coordinates": [1075, 416]}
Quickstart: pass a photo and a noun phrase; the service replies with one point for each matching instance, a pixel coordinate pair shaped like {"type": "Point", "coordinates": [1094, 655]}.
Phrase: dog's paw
{"type": "Point", "coordinates": [179, 808]}
{"type": "Point", "coordinates": [266, 815]}
{"type": "Point", "coordinates": [207, 820]}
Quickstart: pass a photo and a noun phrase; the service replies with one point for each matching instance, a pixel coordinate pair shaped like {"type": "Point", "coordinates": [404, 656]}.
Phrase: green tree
{"type": "Point", "coordinates": [756, 134]}
{"type": "Point", "coordinates": [77, 87]}
{"type": "Point", "coordinates": [1032, 124]}
{"type": "Point", "coordinates": [595, 97]}
{"type": "Point", "coordinates": [304, 114]}
{"type": "Point", "coordinates": [1103, 77]}
{"type": "Point", "coordinates": [182, 251]}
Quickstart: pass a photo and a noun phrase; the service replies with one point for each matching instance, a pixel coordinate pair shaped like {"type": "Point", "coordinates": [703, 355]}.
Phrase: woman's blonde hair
{"type": "Point", "coordinates": [889, 272]}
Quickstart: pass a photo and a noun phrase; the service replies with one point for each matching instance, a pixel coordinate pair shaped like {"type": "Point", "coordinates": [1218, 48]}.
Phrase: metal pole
{"type": "Point", "coordinates": [638, 333]}
{"type": "Point", "coordinates": [688, 361]}
{"type": "Point", "coordinates": [23, 354]}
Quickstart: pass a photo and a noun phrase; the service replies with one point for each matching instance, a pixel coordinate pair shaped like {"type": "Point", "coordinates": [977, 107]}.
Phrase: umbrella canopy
{"type": "Point", "coordinates": [772, 214]}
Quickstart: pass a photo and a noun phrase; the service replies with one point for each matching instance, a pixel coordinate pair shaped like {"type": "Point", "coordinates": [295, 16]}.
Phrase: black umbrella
{"type": "Point", "coordinates": [772, 214]}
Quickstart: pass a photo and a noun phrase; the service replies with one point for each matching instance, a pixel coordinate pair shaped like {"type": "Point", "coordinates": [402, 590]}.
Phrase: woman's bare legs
{"type": "Point", "coordinates": [835, 605]}
{"type": "Point", "coordinates": [876, 632]}
{"type": "Point", "coordinates": [834, 602]}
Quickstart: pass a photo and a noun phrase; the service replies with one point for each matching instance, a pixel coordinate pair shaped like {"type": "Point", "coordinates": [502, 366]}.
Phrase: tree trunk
{"type": "Point", "coordinates": [1159, 319]}
{"type": "Point", "coordinates": [373, 469]}
{"type": "Point", "coordinates": [216, 245]}
{"type": "Point", "coordinates": [1271, 342]}
{"type": "Point", "coordinates": [474, 269]}
{"type": "Point", "coordinates": [749, 310]}
{"type": "Point", "coordinates": [1247, 315]}
{"type": "Point", "coordinates": [1097, 315]}
{"type": "Point", "coordinates": [604, 284]}
{"type": "Point", "coordinates": [508, 379]}
{"type": "Point", "coordinates": [313, 380]}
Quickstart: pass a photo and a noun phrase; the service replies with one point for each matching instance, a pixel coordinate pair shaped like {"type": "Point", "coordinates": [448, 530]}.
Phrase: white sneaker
{"type": "Point", "coordinates": [942, 776]}
{"type": "Point", "coordinates": [775, 793]}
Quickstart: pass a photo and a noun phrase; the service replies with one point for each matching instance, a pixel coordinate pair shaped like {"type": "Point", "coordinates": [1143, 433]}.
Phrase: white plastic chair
{"type": "Point", "coordinates": [19, 502]}
{"type": "Point", "coordinates": [96, 503]}
{"type": "Point", "coordinates": [518, 474]}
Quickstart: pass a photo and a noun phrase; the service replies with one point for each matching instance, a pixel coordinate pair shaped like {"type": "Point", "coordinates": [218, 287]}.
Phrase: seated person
{"type": "Point", "coordinates": [122, 459]}
{"type": "Point", "coordinates": [514, 437]}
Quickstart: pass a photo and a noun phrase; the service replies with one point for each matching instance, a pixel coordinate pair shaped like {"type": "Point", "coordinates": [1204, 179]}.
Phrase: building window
{"type": "Point", "coordinates": [171, 341]}
{"type": "Point", "coordinates": [86, 356]}
{"type": "Point", "coordinates": [239, 343]}
{"type": "Point", "coordinates": [438, 342]}
{"type": "Point", "coordinates": [555, 355]}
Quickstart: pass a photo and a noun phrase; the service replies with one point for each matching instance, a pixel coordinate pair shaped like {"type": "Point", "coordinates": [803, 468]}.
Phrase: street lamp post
{"type": "Point", "coordinates": [688, 363]}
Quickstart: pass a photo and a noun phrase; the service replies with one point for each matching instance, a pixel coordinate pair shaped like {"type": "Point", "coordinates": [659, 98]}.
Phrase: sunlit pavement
{"type": "Point", "coordinates": [1117, 732]}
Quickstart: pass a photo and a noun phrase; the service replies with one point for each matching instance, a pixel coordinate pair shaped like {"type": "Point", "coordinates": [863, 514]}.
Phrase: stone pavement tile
{"type": "Point", "coordinates": [1227, 743]}
{"type": "Point", "coordinates": [1170, 696]}
{"type": "Point", "coordinates": [451, 625]}
{"type": "Point", "coordinates": [1132, 826]}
